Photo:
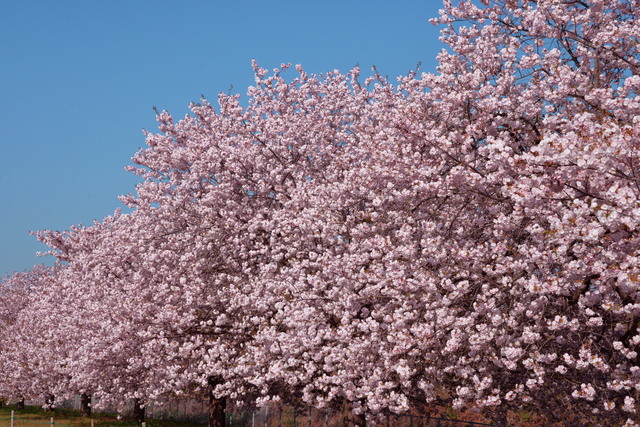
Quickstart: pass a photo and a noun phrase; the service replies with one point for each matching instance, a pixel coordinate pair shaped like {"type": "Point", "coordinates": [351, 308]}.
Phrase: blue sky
{"type": "Point", "coordinates": [79, 80]}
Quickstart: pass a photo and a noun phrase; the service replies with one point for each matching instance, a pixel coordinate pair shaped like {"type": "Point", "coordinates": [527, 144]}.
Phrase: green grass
{"type": "Point", "coordinates": [524, 416]}
{"type": "Point", "coordinates": [35, 416]}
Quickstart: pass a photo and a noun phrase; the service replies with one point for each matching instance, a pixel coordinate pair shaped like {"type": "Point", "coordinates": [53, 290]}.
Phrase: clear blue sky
{"type": "Point", "coordinates": [79, 79]}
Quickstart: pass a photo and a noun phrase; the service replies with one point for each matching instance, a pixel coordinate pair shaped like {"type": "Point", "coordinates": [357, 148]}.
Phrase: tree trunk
{"type": "Point", "coordinates": [48, 402]}
{"type": "Point", "coordinates": [500, 418]}
{"type": "Point", "coordinates": [20, 404]}
{"type": "Point", "coordinates": [216, 405]}
{"type": "Point", "coordinates": [85, 404]}
{"type": "Point", "coordinates": [138, 410]}
{"type": "Point", "coordinates": [349, 419]}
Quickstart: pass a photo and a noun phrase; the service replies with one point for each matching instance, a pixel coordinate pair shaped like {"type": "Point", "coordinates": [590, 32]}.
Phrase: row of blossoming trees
{"type": "Point", "coordinates": [465, 238]}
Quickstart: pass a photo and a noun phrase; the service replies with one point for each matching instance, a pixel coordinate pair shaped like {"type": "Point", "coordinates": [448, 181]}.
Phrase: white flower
{"type": "Point", "coordinates": [629, 404]}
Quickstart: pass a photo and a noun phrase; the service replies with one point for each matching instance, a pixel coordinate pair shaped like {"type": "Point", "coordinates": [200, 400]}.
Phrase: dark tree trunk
{"type": "Point", "coordinates": [48, 402]}
{"type": "Point", "coordinates": [138, 410]}
{"type": "Point", "coordinates": [1, 402]}
{"type": "Point", "coordinates": [85, 404]}
{"type": "Point", "coordinates": [349, 419]}
{"type": "Point", "coordinates": [20, 404]}
{"type": "Point", "coordinates": [216, 405]}
{"type": "Point", "coordinates": [500, 418]}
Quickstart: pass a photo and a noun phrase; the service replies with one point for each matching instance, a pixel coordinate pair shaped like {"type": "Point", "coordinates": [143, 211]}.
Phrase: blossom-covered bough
{"type": "Point", "coordinates": [467, 237]}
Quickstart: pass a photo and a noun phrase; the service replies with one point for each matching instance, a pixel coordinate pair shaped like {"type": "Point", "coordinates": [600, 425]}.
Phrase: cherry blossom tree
{"type": "Point", "coordinates": [189, 283]}
{"type": "Point", "coordinates": [14, 296]}
{"type": "Point", "coordinates": [544, 98]}
{"type": "Point", "coordinates": [465, 237]}
{"type": "Point", "coordinates": [30, 357]}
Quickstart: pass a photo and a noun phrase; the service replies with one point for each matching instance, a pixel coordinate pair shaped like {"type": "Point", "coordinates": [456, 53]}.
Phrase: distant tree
{"type": "Point", "coordinates": [29, 368]}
